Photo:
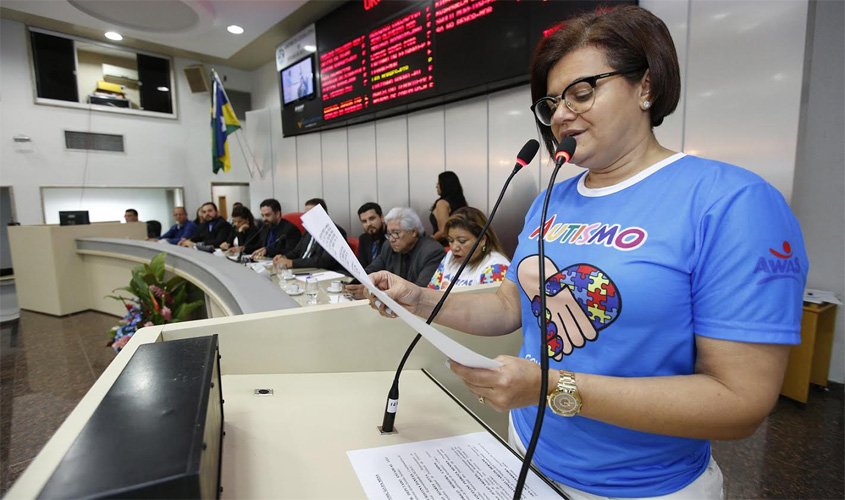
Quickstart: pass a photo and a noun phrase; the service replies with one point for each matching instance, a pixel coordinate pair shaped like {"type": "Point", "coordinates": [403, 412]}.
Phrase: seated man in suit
{"type": "Point", "coordinates": [213, 231]}
{"type": "Point", "coordinates": [184, 228]}
{"type": "Point", "coordinates": [411, 254]}
{"type": "Point", "coordinates": [370, 243]}
{"type": "Point", "coordinates": [309, 253]}
{"type": "Point", "coordinates": [277, 237]}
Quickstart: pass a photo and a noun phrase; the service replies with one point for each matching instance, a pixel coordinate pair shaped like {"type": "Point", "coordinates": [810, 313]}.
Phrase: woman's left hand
{"type": "Point", "coordinates": [516, 384]}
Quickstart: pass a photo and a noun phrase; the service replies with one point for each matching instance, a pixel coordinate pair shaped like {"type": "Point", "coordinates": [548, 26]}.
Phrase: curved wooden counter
{"type": "Point", "coordinates": [231, 288]}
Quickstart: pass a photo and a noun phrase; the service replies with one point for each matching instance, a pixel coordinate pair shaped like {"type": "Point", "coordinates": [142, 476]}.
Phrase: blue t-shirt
{"type": "Point", "coordinates": [634, 271]}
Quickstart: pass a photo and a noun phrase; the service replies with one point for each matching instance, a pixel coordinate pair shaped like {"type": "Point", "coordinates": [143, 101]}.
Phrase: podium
{"type": "Point", "coordinates": [809, 362]}
{"type": "Point", "coordinates": [50, 276]}
{"type": "Point", "coordinates": [330, 367]}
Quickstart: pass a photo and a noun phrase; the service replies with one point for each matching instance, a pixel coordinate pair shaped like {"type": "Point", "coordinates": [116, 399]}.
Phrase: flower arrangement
{"type": "Point", "coordinates": [154, 301]}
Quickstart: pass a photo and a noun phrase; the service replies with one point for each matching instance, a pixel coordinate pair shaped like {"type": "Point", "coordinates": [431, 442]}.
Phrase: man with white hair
{"type": "Point", "coordinates": [411, 254]}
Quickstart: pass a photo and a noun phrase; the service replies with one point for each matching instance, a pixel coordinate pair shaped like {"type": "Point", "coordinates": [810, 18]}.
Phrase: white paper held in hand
{"type": "Point", "coordinates": [318, 223]}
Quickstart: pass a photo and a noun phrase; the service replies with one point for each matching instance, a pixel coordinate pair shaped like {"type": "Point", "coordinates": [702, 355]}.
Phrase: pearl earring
{"type": "Point", "coordinates": [646, 105]}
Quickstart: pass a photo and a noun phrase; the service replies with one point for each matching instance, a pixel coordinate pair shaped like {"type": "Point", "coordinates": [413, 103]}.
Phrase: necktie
{"type": "Point", "coordinates": [375, 250]}
{"type": "Point", "coordinates": [271, 238]}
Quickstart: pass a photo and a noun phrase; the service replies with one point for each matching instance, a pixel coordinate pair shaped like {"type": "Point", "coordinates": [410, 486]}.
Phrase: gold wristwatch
{"type": "Point", "coordinates": [565, 400]}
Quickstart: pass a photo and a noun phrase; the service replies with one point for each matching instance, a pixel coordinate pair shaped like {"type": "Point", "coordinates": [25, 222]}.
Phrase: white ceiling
{"type": "Point", "coordinates": [193, 25]}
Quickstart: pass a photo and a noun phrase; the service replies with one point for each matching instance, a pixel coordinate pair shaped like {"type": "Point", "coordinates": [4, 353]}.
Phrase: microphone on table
{"type": "Point", "coordinates": [526, 154]}
{"type": "Point", "coordinates": [564, 153]}
{"type": "Point", "coordinates": [248, 240]}
{"type": "Point", "coordinates": [273, 243]}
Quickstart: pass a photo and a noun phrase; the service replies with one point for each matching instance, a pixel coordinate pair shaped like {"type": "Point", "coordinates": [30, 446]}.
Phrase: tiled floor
{"type": "Point", "coordinates": [797, 453]}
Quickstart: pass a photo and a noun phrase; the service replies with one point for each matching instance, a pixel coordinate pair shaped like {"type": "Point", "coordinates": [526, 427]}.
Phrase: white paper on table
{"type": "Point", "coordinates": [322, 229]}
{"type": "Point", "coordinates": [469, 466]}
{"type": "Point", "coordinates": [820, 296]}
{"type": "Point", "coordinates": [323, 276]}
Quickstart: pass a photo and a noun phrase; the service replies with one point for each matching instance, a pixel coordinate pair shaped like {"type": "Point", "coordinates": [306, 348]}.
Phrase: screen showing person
{"type": "Point", "coordinates": [298, 80]}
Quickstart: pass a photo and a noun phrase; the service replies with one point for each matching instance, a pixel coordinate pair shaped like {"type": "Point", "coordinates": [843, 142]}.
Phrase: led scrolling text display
{"type": "Point", "coordinates": [392, 61]}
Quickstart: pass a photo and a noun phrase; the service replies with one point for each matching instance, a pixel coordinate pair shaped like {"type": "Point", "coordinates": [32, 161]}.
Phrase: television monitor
{"type": "Point", "coordinates": [298, 80]}
{"type": "Point", "coordinates": [73, 218]}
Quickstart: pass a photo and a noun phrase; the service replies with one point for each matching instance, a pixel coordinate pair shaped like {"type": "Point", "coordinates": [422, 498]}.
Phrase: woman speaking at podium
{"type": "Point", "coordinates": [674, 283]}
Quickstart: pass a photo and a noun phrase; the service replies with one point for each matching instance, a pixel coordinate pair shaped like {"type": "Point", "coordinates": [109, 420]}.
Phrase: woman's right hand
{"type": "Point", "coordinates": [407, 294]}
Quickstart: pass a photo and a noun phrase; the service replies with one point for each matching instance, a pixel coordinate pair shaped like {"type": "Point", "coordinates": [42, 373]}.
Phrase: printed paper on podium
{"type": "Point", "coordinates": [469, 466]}
{"type": "Point", "coordinates": [322, 229]}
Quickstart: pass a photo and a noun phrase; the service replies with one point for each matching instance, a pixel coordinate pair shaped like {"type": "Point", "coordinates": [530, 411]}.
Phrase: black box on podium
{"type": "Point", "coordinates": [157, 432]}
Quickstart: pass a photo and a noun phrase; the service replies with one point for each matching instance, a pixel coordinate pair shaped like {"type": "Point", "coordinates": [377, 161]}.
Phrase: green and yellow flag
{"type": "Point", "coordinates": [223, 123]}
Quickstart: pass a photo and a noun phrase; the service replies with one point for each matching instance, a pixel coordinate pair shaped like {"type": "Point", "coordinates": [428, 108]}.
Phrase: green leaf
{"type": "Point", "coordinates": [126, 289]}
{"type": "Point", "coordinates": [188, 308]}
{"type": "Point", "coordinates": [174, 283]}
{"type": "Point", "coordinates": [141, 286]}
{"type": "Point", "coordinates": [157, 266]}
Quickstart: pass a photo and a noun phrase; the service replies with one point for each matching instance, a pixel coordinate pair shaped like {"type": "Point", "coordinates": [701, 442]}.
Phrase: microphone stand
{"type": "Point", "coordinates": [562, 155]}
{"type": "Point", "coordinates": [393, 396]}
{"type": "Point", "coordinates": [243, 247]}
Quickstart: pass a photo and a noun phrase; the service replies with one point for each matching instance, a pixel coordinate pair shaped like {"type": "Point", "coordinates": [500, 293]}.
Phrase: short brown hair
{"type": "Point", "coordinates": [631, 38]}
{"type": "Point", "coordinates": [473, 220]}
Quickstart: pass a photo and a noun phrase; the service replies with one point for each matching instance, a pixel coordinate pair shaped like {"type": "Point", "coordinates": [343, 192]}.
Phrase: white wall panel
{"type": "Point", "coordinates": [363, 187]}
{"type": "Point", "coordinates": [674, 13]}
{"type": "Point", "coordinates": [392, 162]}
{"type": "Point", "coordinates": [309, 168]}
{"type": "Point", "coordinates": [336, 178]}
{"type": "Point", "coordinates": [466, 148]}
{"type": "Point", "coordinates": [426, 158]}
{"type": "Point", "coordinates": [285, 178]}
{"type": "Point", "coordinates": [511, 124]}
{"type": "Point", "coordinates": [746, 61]}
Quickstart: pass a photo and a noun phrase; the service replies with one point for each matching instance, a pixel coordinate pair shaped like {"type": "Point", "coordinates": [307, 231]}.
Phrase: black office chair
{"type": "Point", "coordinates": [153, 229]}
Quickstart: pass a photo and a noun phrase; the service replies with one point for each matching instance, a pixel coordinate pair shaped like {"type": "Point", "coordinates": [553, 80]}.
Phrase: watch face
{"type": "Point", "coordinates": [564, 404]}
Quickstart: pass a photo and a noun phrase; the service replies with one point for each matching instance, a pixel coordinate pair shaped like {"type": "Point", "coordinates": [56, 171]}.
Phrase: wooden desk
{"type": "Point", "coordinates": [50, 275]}
{"type": "Point", "coordinates": [809, 363]}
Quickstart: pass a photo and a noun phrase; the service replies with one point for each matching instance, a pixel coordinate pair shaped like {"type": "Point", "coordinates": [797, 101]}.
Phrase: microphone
{"type": "Point", "coordinates": [564, 153]}
{"type": "Point", "coordinates": [243, 247]}
{"type": "Point", "coordinates": [526, 154]}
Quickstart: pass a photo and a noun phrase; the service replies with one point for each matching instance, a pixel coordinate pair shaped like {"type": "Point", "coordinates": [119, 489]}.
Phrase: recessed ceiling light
{"type": "Point", "coordinates": [235, 29]}
{"type": "Point", "coordinates": [163, 89]}
{"type": "Point", "coordinates": [310, 48]}
{"type": "Point", "coordinates": [113, 35]}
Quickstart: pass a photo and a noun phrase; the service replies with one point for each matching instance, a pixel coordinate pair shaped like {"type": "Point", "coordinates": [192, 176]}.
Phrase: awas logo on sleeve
{"type": "Point", "coordinates": [784, 265]}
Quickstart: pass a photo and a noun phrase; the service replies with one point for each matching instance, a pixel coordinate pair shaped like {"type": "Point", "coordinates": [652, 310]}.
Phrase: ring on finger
{"type": "Point", "coordinates": [481, 399]}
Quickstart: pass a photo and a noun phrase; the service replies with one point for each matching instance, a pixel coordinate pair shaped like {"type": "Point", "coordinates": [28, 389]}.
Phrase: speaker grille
{"type": "Point", "coordinates": [87, 141]}
{"type": "Point", "coordinates": [197, 78]}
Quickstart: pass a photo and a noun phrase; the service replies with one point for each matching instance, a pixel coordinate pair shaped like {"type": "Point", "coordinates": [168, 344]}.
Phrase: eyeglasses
{"type": "Point", "coordinates": [579, 97]}
{"type": "Point", "coordinates": [394, 235]}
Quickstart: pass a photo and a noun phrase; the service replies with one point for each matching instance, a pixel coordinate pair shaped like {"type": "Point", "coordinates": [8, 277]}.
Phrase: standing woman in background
{"type": "Point", "coordinates": [451, 198]}
{"type": "Point", "coordinates": [674, 283]}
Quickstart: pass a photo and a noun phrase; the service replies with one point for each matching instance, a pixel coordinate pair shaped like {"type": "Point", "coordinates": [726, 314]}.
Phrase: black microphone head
{"type": "Point", "coordinates": [527, 153]}
{"type": "Point", "coordinates": [565, 150]}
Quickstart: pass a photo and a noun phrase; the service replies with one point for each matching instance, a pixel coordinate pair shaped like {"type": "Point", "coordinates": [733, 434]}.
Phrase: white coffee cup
{"type": "Point", "coordinates": [335, 286]}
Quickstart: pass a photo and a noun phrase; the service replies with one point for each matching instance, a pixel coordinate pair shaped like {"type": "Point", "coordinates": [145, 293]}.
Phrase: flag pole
{"type": "Point", "coordinates": [244, 142]}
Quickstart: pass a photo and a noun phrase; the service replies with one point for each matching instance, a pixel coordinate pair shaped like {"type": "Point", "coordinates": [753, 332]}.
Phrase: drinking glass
{"type": "Point", "coordinates": [279, 268]}
{"type": "Point", "coordinates": [312, 288]}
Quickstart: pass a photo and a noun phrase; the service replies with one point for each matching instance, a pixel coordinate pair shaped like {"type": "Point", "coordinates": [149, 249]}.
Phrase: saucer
{"type": "Point", "coordinates": [294, 292]}
{"type": "Point", "coordinates": [334, 290]}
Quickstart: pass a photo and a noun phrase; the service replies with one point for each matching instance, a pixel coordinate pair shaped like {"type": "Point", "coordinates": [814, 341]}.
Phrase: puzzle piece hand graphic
{"type": "Point", "coordinates": [568, 324]}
